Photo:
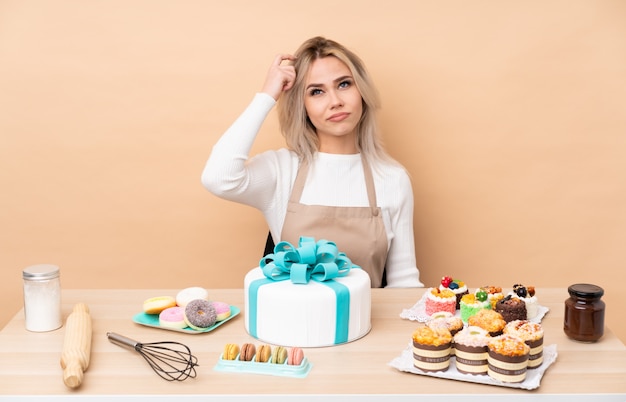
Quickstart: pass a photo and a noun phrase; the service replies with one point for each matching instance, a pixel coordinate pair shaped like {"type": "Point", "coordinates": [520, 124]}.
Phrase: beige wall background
{"type": "Point", "coordinates": [509, 115]}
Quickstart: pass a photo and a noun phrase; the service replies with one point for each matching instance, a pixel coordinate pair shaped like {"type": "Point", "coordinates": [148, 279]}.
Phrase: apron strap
{"type": "Point", "coordinates": [303, 170]}
{"type": "Point", "coordinates": [369, 183]}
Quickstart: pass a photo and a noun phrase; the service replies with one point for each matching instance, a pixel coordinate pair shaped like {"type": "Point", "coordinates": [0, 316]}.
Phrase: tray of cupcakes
{"type": "Point", "coordinates": [264, 359]}
{"type": "Point", "coordinates": [488, 337]}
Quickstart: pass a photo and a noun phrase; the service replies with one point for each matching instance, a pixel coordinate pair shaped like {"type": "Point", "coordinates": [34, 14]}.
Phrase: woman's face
{"type": "Point", "coordinates": [333, 104]}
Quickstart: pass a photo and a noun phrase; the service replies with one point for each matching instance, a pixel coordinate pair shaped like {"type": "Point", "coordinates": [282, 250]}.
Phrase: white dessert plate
{"type": "Point", "coordinates": [404, 362]}
{"type": "Point", "coordinates": [152, 320]}
{"type": "Point", "coordinates": [418, 312]}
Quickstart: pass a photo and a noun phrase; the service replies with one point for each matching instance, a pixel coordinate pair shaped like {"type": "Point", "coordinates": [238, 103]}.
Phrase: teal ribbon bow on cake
{"type": "Point", "coordinates": [319, 261]}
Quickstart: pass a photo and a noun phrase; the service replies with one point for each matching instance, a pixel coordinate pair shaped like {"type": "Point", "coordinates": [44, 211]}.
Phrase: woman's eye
{"type": "Point", "coordinates": [345, 84]}
{"type": "Point", "coordinates": [315, 91]}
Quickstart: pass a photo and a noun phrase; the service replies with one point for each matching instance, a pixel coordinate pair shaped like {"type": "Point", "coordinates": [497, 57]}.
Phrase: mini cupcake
{"type": "Point", "coordinates": [456, 286]}
{"type": "Point", "coordinates": [507, 359]}
{"type": "Point", "coordinates": [473, 303]}
{"type": "Point", "coordinates": [511, 308]}
{"type": "Point", "coordinates": [447, 320]}
{"type": "Point", "coordinates": [527, 294]}
{"type": "Point", "coordinates": [489, 320]}
{"type": "Point", "coordinates": [471, 350]}
{"type": "Point", "coordinates": [494, 294]}
{"type": "Point", "coordinates": [438, 300]}
{"type": "Point", "coordinates": [532, 334]}
{"type": "Point", "coordinates": [431, 349]}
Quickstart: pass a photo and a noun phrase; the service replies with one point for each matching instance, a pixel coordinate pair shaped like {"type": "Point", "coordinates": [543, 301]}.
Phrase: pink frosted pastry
{"type": "Point", "coordinates": [172, 317]}
{"type": "Point", "coordinates": [222, 310]}
{"type": "Point", "coordinates": [440, 300]}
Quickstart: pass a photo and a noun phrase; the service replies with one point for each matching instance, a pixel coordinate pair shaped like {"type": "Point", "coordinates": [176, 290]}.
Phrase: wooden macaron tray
{"type": "Point", "coordinates": [268, 368]}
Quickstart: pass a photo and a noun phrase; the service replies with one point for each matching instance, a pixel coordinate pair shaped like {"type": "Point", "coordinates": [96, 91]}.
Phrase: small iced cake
{"type": "Point", "coordinates": [472, 303]}
{"type": "Point", "coordinates": [431, 349]}
{"type": "Point", "coordinates": [511, 308]}
{"type": "Point", "coordinates": [532, 334]}
{"type": "Point", "coordinates": [489, 320]}
{"type": "Point", "coordinates": [527, 294]}
{"type": "Point", "coordinates": [438, 300]}
{"type": "Point", "coordinates": [456, 286]}
{"type": "Point", "coordinates": [507, 359]}
{"type": "Point", "coordinates": [471, 350]}
{"type": "Point", "coordinates": [494, 294]}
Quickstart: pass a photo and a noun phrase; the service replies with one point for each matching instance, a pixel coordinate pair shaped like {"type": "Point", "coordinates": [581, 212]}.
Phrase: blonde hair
{"type": "Point", "coordinates": [299, 132]}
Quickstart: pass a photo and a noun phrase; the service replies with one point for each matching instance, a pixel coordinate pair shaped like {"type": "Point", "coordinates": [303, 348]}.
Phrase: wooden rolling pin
{"type": "Point", "coordinates": [76, 346]}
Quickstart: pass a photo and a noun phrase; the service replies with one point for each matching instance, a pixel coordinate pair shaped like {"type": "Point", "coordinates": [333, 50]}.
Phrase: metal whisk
{"type": "Point", "coordinates": [172, 361]}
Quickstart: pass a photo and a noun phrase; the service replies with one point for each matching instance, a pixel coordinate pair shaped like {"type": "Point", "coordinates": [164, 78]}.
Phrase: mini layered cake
{"type": "Point", "coordinates": [494, 294]}
{"type": "Point", "coordinates": [456, 286]}
{"type": "Point", "coordinates": [489, 320]}
{"type": "Point", "coordinates": [438, 300]}
{"type": "Point", "coordinates": [511, 308]}
{"type": "Point", "coordinates": [471, 350]}
{"type": "Point", "coordinates": [431, 349]}
{"type": "Point", "coordinates": [532, 334]}
{"type": "Point", "coordinates": [527, 294]}
{"type": "Point", "coordinates": [473, 303]}
{"type": "Point", "coordinates": [507, 359]}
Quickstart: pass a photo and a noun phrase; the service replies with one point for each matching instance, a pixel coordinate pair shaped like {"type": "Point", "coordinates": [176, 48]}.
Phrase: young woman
{"type": "Point", "coordinates": [334, 180]}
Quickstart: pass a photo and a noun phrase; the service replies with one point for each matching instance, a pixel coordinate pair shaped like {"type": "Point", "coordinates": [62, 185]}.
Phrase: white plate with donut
{"type": "Point", "coordinates": [152, 320]}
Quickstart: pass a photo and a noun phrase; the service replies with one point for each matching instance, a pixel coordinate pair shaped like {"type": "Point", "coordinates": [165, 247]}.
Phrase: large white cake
{"type": "Point", "coordinates": [308, 315]}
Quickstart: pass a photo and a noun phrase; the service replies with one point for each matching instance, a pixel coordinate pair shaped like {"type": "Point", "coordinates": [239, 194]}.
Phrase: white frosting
{"type": "Point", "coordinates": [186, 295]}
{"type": "Point", "coordinates": [458, 290]}
{"type": "Point", "coordinates": [439, 298]}
{"type": "Point", "coordinates": [441, 315]}
{"type": "Point", "coordinates": [304, 314]}
{"type": "Point", "coordinates": [472, 336]}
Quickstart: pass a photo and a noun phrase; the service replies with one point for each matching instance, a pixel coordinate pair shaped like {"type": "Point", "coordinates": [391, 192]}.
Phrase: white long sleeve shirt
{"type": "Point", "coordinates": [265, 181]}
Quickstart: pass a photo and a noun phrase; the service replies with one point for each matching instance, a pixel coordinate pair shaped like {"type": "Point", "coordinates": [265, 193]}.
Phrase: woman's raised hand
{"type": "Point", "coordinates": [280, 77]}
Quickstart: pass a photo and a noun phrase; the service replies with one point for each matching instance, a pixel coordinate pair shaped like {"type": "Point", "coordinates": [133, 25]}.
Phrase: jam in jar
{"type": "Point", "coordinates": [584, 312]}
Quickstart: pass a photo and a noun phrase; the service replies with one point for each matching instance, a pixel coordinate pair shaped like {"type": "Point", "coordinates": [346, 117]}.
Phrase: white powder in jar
{"type": "Point", "coordinates": [42, 298]}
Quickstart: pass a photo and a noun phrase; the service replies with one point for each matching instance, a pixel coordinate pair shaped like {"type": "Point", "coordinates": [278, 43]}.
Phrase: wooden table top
{"type": "Point", "coordinates": [30, 361]}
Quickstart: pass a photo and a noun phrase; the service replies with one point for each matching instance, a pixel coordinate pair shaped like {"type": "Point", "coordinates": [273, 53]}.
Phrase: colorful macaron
{"type": "Point", "coordinates": [296, 355]}
{"type": "Point", "coordinates": [231, 350]}
{"type": "Point", "coordinates": [264, 352]}
{"type": "Point", "coordinates": [279, 355]}
{"type": "Point", "coordinates": [247, 352]}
